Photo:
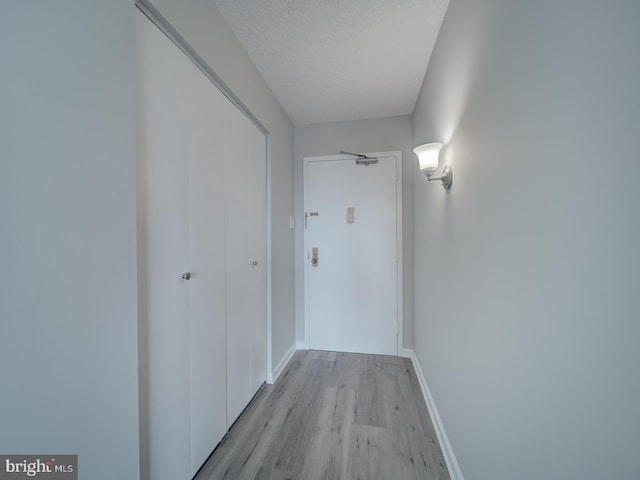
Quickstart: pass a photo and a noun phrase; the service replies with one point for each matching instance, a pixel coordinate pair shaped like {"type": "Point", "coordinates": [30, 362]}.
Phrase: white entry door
{"type": "Point", "coordinates": [352, 247]}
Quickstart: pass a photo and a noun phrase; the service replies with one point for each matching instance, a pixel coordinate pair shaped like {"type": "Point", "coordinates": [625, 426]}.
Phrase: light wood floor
{"type": "Point", "coordinates": [333, 416]}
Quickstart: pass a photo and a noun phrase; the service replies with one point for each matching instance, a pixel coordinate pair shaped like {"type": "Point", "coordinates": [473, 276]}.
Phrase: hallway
{"type": "Point", "coordinates": [517, 297]}
{"type": "Point", "coordinates": [333, 416]}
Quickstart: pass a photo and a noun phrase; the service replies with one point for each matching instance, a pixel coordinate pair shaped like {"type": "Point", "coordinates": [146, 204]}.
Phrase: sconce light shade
{"type": "Point", "coordinates": [428, 157]}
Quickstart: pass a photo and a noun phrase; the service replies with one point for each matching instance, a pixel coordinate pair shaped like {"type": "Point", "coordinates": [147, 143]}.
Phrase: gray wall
{"type": "Point", "coordinates": [526, 272]}
{"type": "Point", "coordinates": [376, 135]}
{"type": "Point", "coordinates": [204, 27]}
{"type": "Point", "coordinates": [68, 308]}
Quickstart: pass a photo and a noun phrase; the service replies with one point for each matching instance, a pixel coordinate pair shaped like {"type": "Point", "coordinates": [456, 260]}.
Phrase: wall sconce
{"type": "Point", "coordinates": [428, 158]}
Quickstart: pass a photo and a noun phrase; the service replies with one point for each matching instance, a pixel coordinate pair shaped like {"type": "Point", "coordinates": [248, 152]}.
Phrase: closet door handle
{"type": "Point", "coordinates": [186, 276]}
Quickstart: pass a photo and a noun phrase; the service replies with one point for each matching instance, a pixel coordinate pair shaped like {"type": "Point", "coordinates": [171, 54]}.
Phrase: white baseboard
{"type": "Point", "coordinates": [449, 457]}
{"type": "Point", "coordinates": [301, 345]}
{"type": "Point", "coordinates": [273, 376]}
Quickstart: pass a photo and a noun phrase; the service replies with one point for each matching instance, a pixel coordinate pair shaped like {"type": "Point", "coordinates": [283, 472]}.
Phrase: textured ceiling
{"type": "Point", "coordinates": [336, 60]}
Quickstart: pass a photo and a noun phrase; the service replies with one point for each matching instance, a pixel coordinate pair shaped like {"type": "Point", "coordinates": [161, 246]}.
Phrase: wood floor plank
{"type": "Point", "coordinates": [375, 454]}
{"type": "Point", "coordinates": [301, 421]}
{"type": "Point", "coordinates": [333, 416]}
{"type": "Point", "coordinates": [370, 399]}
{"type": "Point", "coordinates": [328, 452]}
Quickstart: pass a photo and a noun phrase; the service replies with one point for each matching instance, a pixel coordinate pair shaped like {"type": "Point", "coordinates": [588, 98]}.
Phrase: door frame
{"type": "Point", "coordinates": [399, 263]}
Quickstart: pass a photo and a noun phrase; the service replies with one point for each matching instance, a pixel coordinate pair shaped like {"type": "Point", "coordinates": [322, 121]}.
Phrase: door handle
{"type": "Point", "coordinates": [186, 276]}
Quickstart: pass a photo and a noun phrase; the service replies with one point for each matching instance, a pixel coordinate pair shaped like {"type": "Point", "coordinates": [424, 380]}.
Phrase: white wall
{"type": "Point", "coordinates": [376, 135]}
{"type": "Point", "coordinates": [68, 313]}
{"type": "Point", "coordinates": [526, 321]}
{"type": "Point", "coordinates": [204, 27]}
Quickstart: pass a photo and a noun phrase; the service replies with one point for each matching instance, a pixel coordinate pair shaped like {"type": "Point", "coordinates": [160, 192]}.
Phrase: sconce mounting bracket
{"type": "Point", "coordinates": [446, 178]}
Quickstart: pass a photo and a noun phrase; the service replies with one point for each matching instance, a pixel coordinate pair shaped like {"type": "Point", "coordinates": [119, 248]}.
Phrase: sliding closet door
{"type": "Point", "coordinates": [202, 267]}
{"type": "Point", "coordinates": [245, 160]}
{"type": "Point", "coordinates": [182, 267]}
{"type": "Point", "coordinates": [163, 195]}
{"type": "Point", "coordinates": [257, 278]}
{"type": "Point", "coordinates": [207, 255]}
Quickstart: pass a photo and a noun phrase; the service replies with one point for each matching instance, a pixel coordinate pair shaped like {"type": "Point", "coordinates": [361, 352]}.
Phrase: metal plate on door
{"type": "Point", "coordinates": [314, 257]}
